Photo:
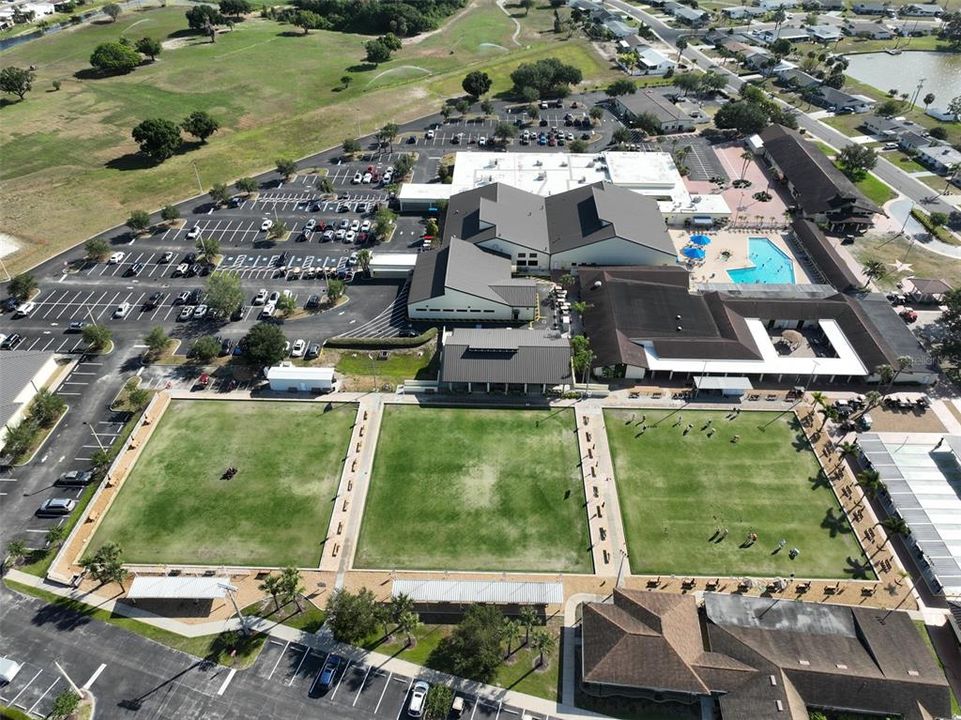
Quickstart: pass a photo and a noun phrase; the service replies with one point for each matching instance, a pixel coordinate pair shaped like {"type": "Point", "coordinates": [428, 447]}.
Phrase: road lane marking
{"type": "Point", "coordinates": [230, 676]}
{"type": "Point", "coordinates": [93, 678]}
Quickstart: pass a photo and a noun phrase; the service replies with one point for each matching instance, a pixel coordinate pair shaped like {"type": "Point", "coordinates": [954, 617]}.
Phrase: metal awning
{"type": "Point", "coordinates": [162, 587]}
{"type": "Point", "coordinates": [472, 591]}
{"type": "Point", "coordinates": [715, 382]}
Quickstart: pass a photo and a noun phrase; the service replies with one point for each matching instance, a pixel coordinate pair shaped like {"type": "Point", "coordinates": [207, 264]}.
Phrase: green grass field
{"type": "Point", "coordinates": [71, 149]}
{"type": "Point", "coordinates": [676, 489]}
{"type": "Point", "coordinates": [174, 507]}
{"type": "Point", "coordinates": [875, 189]}
{"type": "Point", "coordinates": [923, 263]}
{"type": "Point", "coordinates": [469, 489]}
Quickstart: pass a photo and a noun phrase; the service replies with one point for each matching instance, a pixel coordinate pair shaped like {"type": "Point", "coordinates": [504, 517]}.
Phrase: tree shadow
{"type": "Point", "coordinates": [819, 481]}
{"type": "Point", "coordinates": [130, 161]}
{"type": "Point", "coordinates": [859, 570]}
{"type": "Point", "coordinates": [291, 33]}
{"type": "Point", "coordinates": [835, 524]}
{"type": "Point", "coordinates": [64, 614]}
{"type": "Point", "coordinates": [6, 102]}
{"type": "Point", "coordinates": [362, 67]}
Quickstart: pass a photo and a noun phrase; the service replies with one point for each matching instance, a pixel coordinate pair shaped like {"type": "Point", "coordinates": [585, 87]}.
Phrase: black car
{"type": "Point", "coordinates": [76, 326]}
{"type": "Point", "coordinates": [313, 302]}
{"type": "Point", "coordinates": [201, 269]}
{"type": "Point", "coordinates": [190, 257]}
{"type": "Point", "coordinates": [238, 313]}
{"type": "Point", "coordinates": [236, 201]}
{"type": "Point", "coordinates": [12, 342]}
{"type": "Point", "coordinates": [195, 297]}
{"type": "Point", "coordinates": [281, 260]}
{"type": "Point", "coordinates": [10, 303]}
{"type": "Point", "coordinates": [226, 347]}
{"type": "Point", "coordinates": [135, 269]}
{"type": "Point", "coordinates": [75, 478]}
{"type": "Point", "coordinates": [542, 123]}
{"type": "Point", "coordinates": [411, 140]}
{"type": "Point", "coordinates": [409, 332]}
{"type": "Point", "coordinates": [312, 352]}
{"type": "Point", "coordinates": [315, 207]}
{"type": "Point", "coordinates": [153, 301]}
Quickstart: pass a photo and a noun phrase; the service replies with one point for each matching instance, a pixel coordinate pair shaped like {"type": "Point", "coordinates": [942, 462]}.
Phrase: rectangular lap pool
{"type": "Point", "coordinates": [771, 265]}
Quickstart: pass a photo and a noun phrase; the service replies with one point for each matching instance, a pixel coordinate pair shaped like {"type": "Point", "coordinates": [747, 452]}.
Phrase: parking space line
{"type": "Point", "coordinates": [27, 685]}
{"type": "Point", "coordinates": [306, 653]}
{"type": "Point", "coordinates": [384, 690]}
{"type": "Point", "coordinates": [230, 676]}
{"type": "Point", "coordinates": [34, 706]}
{"type": "Point", "coordinates": [500, 704]}
{"type": "Point", "coordinates": [281, 657]}
{"type": "Point", "coordinates": [406, 693]}
{"type": "Point", "coordinates": [361, 688]}
{"type": "Point", "coordinates": [474, 708]}
{"type": "Point", "coordinates": [342, 675]}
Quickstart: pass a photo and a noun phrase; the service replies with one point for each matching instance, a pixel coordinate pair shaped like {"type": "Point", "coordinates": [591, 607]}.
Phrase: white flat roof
{"type": "Point", "coordinates": [178, 587]}
{"type": "Point", "coordinates": [847, 362]}
{"type": "Point", "coordinates": [715, 382]}
{"type": "Point", "coordinates": [296, 372]}
{"type": "Point", "coordinates": [474, 591]}
{"type": "Point", "coordinates": [648, 173]}
{"type": "Point", "coordinates": [384, 260]}
{"type": "Point", "coordinates": [924, 485]}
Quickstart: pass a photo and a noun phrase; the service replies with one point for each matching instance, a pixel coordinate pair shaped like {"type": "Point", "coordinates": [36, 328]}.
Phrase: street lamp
{"type": "Point", "coordinates": [373, 368]}
{"type": "Point", "coordinates": [620, 568]}
{"type": "Point", "coordinates": [200, 185]}
{"type": "Point", "coordinates": [231, 589]}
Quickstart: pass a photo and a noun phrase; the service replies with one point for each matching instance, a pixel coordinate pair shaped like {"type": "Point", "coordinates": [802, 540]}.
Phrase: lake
{"type": "Point", "coordinates": [942, 73]}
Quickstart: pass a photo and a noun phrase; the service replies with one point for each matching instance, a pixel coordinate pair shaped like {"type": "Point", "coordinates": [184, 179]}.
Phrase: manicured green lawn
{"type": "Point", "coordinates": [174, 507]}
{"type": "Point", "coordinates": [470, 489]}
{"type": "Point", "coordinates": [675, 490]}
{"type": "Point", "coordinates": [72, 150]}
{"type": "Point", "coordinates": [875, 190]}
{"type": "Point", "coordinates": [923, 262]}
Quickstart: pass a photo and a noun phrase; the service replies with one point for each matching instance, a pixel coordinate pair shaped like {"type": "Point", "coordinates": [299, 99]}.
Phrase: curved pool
{"type": "Point", "coordinates": [771, 264]}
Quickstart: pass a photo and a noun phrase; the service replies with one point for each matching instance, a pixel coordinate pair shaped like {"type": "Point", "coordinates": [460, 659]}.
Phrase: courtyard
{"type": "Point", "coordinates": [682, 488]}
{"type": "Point", "coordinates": [176, 507]}
{"type": "Point", "coordinates": [471, 489]}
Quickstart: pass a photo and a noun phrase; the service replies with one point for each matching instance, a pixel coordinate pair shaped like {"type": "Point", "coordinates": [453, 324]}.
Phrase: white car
{"type": "Point", "coordinates": [339, 235]}
{"type": "Point", "coordinates": [122, 310]}
{"type": "Point", "coordinates": [193, 233]}
{"type": "Point", "coordinates": [200, 311]}
{"type": "Point", "coordinates": [273, 298]}
{"type": "Point", "coordinates": [268, 310]}
{"type": "Point", "coordinates": [365, 226]}
{"type": "Point", "coordinates": [349, 236]}
{"type": "Point", "coordinates": [116, 258]}
{"type": "Point", "coordinates": [418, 697]}
{"type": "Point", "coordinates": [367, 177]}
{"type": "Point", "coordinates": [24, 309]}
{"type": "Point", "coordinates": [482, 141]}
{"type": "Point", "coordinates": [388, 176]}
{"type": "Point", "coordinates": [298, 349]}
{"type": "Point", "coordinates": [311, 224]}
{"type": "Point", "coordinates": [429, 134]}
{"type": "Point", "coordinates": [261, 297]}
{"type": "Point", "coordinates": [355, 226]}
{"type": "Point", "coordinates": [181, 269]}
{"type": "Point", "coordinates": [358, 177]}
{"type": "Point", "coordinates": [344, 224]}
{"type": "Point", "coordinates": [266, 225]}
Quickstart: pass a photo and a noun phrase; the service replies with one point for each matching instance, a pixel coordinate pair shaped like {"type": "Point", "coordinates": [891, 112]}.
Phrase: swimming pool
{"type": "Point", "coordinates": [771, 265]}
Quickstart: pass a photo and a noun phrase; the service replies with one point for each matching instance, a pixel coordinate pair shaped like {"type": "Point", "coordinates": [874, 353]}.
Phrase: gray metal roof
{"type": "Point", "coordinates": [653, 103]}
{"type": "Point", "coordinates": [480, 591]}
{"type": "Point", "coordinates": [17, 369]}
{"type": "Point", "coordinates": [184, 587]}
{"type": "Point", "coordinates": [504, 355]}
{"type": "Point", "coordinates": [924, 487]}
{"type": "Point", "coordinates": [464, 267]}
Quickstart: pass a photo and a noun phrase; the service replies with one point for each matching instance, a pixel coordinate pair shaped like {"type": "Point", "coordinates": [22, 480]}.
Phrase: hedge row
{"type": "Point", "coordinates": [356, 343]}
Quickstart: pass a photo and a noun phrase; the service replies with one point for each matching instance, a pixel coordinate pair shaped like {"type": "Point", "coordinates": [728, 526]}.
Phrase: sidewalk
{"type": "Point", "coordinates": [322, 642]}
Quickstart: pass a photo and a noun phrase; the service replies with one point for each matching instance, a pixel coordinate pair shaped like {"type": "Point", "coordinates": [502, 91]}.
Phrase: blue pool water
{"type": "Point", "coordinates": [771, 265]}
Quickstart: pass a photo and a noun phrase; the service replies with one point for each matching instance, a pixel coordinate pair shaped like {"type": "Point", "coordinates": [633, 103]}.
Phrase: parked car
{"type": "Point", "coordinates": [56, 506]}
{"type": "Point", "coordinates": [121, 310]}
{"type": "Point", "coordinates": [312, 352]}
{"type": "Point", "coordinates": [298, 348]}
{"type": "Point", "coordinates": [116, 258]}
{"type": "Point", "coordinates": [24, 309]}
{"type": "Point", "coordinates": [153, 300]}
{"type": "Point", "coordinates": [313, 302]}
{"type": "Point", "coordinates": [76, 326]}
{"type": "Point", "coordinates": [325, 676]}
{"type": "Point", "coordinates": [200, 312]}
{"type": "Point", "coordinates": [75, 477]}
{"type": "Point", "coordinates": [261, 297]}
{"type": "Point", "coordinates": [238, 313]}
{"type": "Point", "coordinates": [193, 233]}
{"type": "Point", "coordinates": [180, 270]}
{"type": "Point", "coordinates": [266, 225]}
{"type": "Point", "coordinates": [182, 298]}
{"type": "Point", "coordinates": [418, 697]}
{"type": "Point", "coordinates": [135, 269]}
{"type": "Point", "coordinates": [186, 313]}
{"type": "Point", "coordinates": [311, 224]}
{"type": "Point", "coordinates": [11, 342]}
{"type": "Point", "coordinates": [166, 257]}
{"type": "Point", "coordinates": [226, 347]}
{"type": "Point", "coordinates": [273, 298]}
{"type": "Point", "coordinates": [190, 258]}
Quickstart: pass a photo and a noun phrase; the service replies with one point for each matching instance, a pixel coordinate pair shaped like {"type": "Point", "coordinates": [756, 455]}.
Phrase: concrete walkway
{"type": "Point", "coordinates": [323, 642]}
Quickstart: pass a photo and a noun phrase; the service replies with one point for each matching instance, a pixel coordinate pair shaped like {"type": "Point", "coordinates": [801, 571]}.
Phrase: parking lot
{"type": "Point", "coordinates": [33, 690]}
{"type": "Point", "coordinates": [360, 689]}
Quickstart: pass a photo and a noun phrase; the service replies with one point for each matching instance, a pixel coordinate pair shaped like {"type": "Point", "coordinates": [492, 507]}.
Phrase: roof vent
{"type": "Point", "coordinates": [773, 681]}
{"type": "Point", "coordinates": [841, 666]}
{"type": "Point", "coordinates": [779, 705]}
{"type": "Point", "coordinates": [597, 284]}
{"type": "Point", "coordinates": [913, 673]}
{"type": "Point", "coordinates": [677, 317]}
{"type": "Point", "coordinates": [804, 662]}
{"type": "Point", "coordinates": [679, 328]}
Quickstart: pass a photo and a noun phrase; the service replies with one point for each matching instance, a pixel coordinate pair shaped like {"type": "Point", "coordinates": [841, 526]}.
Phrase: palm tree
{"type": "Point", "coordinates": [902, 363]}
{"type": "Point", "coordinates": [512, 633]}
{"type": "Point", "coordinates": [847, 449]}
{"type": "Point", "coordinates": [894, 525]}
{"type": "Point", "coordinates": [528, 619]}
{"type": "Point", "coordinates": [885, 374]}
{"type": "Point", "coordinates": [829, 413]}
{"type": "Point", "coordinates": [870, 482]}
{"type": "Point", "coordinates": [544, 642]}
{"type": "Point", "coordinates": [747, 156]}
{"type": "Point", "coordinates": [819, 398]}
{"type": "Point", "coordinates": [399, 604]}
{"type": "Point", "coordinates": [56, 534]}
{"type": "Point", "coordinates": [874, 270]}
{"type": "Point", "coordinates": [290, 586]}
{"type": "Point", "coordinates": [363, 259]}
{"type": "Point", "coordinates": [17, 550]}
{"type": "Point", "coordinates": [681, 47]}
{"type": "Point", "coordinates": [407, 623]}
{"type": "Point", "coordinates": [871, 400]}
{"type": "Point", "coordinates": [779, 17]}
{"type": "Point", "coordinates": [271, 585]}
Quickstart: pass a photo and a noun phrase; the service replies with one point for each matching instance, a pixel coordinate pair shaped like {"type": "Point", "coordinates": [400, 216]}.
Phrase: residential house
{"type": "Point", "coordinates": [793, 77]}
{"type": "Point", "coordinates": [507, 359]}
{"type": "Point", "coordinates": [930, 291]}
{"type": "Point", "coordinates": [757, 58]}
{"type": "Point", "coordinates": [740, 12]}
{"type": "Point", "coordinates": [889, 128]}
{"type": "Point", "coordinates": [915, 27]}
{"type": "Point", "coordinates": [647, 323]}
{"type": "Point", "coordinates": [594, 10]}
{"type": "Point", "coordinates": [652, 62]}
{"type": "Point", "coordinates": [871, 9]}
{"type": "Point", "coordinates": [461, 282]}
{"type": "Point", "coordinates": [942, 158]}
{"type": "Point", "coordinates": [618, 28]}
{"type": "Point", "coordinates": [631, 42]}
{"type": "Point", "coordinates": [822, 192]}
{"type": "Point", "coordinates": [841, 102]}
{"type": "Point", "coordinates": [690, 16]}
{"type": "Point", "coordinates": [824, 33]}
{"type": "Point", "coordinates": [911, 141]}
{"type": "Point", "coordinates": [771, 5]}
{"type": "Point", "coordinates": [599, 224]}
{"type": "Point", "coordinates": [785, 32]}
{"type": "Point", "coordinates": [921, 11]}
{"type": "Point", "coordinates": [873, 30]}
{"type": "Point", "coordinates": [653, 104]}
{"type": "Point", "coordinates": [761, 658]}
{"type": "Point", "coordinates": [825, 4]}
{"type": "Point", "coordinates": [940, 114]}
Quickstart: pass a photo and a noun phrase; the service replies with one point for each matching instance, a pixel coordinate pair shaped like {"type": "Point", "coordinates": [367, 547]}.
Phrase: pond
{"type": "Point", "coordinates": [941, 73]}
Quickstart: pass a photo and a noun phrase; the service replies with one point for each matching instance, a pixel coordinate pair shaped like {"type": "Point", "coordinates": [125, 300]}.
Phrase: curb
{"type": "Point", "coordinates": [50, 433]}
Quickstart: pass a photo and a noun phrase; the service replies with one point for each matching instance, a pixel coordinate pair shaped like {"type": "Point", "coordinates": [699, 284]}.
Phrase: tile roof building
{"type": "Point", "coordinates": [596, 224]}
{"type": "Point", "coordinates": [760, 658]}
{"type": "Point", "coordinates": [647, 322]}
{"type": "Point", "coordinates": [504, 358]}
{"type": "Point", "coordinates": [822, 192]}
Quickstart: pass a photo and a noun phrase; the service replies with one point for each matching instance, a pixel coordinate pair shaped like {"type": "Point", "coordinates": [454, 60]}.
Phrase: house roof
{"type": "Point", "coordinates": [941, 153]}
{"type": "Point", "coordinates": [839, 97]}
{"type": "Point", "coordinates": [763, 658]}
{"type": "Point", "coordinates": [828, 260]}
{"type": "Point", "coordinates": [650, 56]}
{"type": "Point", "coordinates": [820, 186]}
{"type": "Point", "coordinates": [630, 307]}
{"type": "Point", "coordinates": [654, 104]}
{"type": "Point", "coordinates": [461, 266]}
{"type": "Point", "coordinates": [504, 355]}
{"type": "Point", "coordinates": [930, 286]}
{"type": "Point", "coordinates": [17, 369]}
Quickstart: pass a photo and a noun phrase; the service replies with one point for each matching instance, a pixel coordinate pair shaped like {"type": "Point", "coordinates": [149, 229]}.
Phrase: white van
{"type": "Point", "coordinates": [8, 670]}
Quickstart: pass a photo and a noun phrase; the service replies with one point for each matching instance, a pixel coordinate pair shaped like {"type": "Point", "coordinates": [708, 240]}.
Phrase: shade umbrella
{"type": "Point", "coordinates": [700, 239]}
{"type": "Point", "coordinates": [695, 253]}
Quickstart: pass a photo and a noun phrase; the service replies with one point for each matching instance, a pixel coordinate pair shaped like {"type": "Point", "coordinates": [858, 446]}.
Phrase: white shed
{"type": "Point", "coordinates": [392, 265]}
{"type": "Point", "coordinates": [291, 378]}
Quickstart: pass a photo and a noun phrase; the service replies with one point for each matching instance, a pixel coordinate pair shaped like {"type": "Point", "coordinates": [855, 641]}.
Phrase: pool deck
{"type": "Point", "coordinates": [735, 242]}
